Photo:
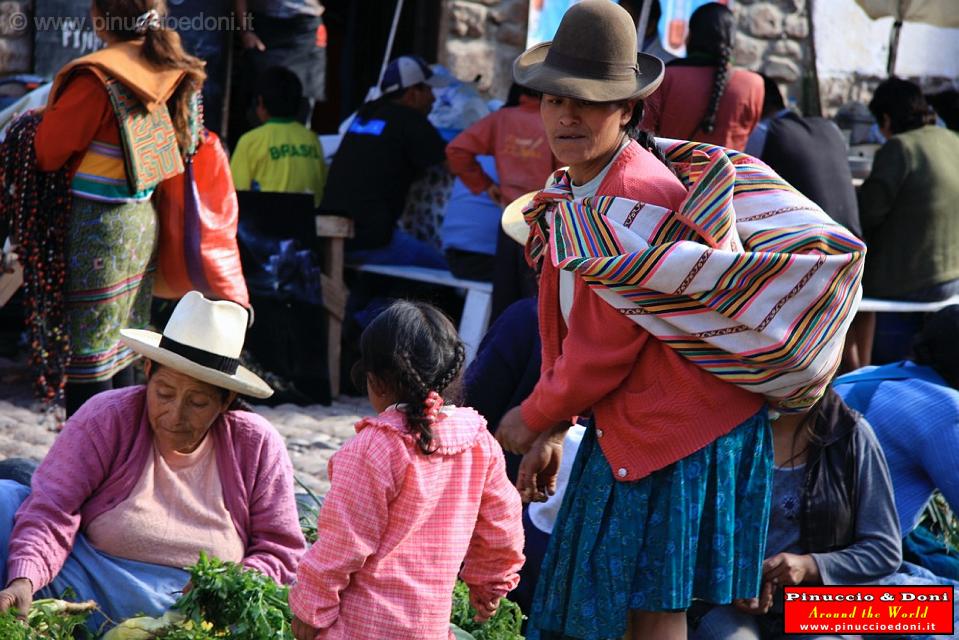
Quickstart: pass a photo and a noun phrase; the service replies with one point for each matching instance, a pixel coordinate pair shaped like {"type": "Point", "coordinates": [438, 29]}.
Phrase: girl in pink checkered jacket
{"type": "Point", "coordinates": [420, 492]}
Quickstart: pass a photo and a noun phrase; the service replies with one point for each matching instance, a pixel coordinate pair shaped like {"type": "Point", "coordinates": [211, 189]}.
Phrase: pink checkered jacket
{"type": "Point", "coordinates": [398, 525]}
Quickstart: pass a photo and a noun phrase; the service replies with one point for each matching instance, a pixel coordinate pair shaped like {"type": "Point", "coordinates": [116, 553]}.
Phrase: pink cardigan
{"type": "Point", "coordinates": [397, 525]}
{"type": "Point", "coordinates": [98, 458]}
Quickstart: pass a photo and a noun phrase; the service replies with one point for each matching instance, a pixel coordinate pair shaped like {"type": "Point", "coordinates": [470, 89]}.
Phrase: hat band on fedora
{"type": "Point", "coordinates": [590, 68]}
{"type": "Point", "coordinates": [207, 359]}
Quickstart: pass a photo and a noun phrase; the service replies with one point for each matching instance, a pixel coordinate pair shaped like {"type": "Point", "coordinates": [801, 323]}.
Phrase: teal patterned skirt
{"type": "Point", "coordinates": [110, 260]}
{"type": "Point", "coordinates": [694, 529]}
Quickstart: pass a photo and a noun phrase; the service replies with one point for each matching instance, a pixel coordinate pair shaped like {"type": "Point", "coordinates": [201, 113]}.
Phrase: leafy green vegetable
{"type": "Point", "coordinates": [13, 629]}
{"type": "Point", "coordinates": [244, 603]}
{"type": "Point", "coordinates": [227, 601]}
{"type": "Point", "coordinates": [309, 510]}
{"type": "Point", "coordinates": [942, 521]}
{"type": "Point", "coordinates": [506, 623]}
{"type": "Point", "coordinates": [48, 620]}
{"type": "Point", "coordinates": [189, 630]}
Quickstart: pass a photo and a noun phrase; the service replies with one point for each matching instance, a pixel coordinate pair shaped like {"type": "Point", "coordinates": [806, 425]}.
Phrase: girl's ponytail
{"type": "Point", "coordinates": [163, 48]}
{"type": "Point", "coordinates": [417, 411]}
{"type": "Point", "coordinates": [422, 414]}
{"type": "Point", "coordinates": [415, 351]}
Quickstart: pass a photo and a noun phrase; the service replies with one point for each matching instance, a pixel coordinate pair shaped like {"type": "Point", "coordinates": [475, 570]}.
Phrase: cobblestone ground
{"type": "Point", "coordinates": [312, 433]}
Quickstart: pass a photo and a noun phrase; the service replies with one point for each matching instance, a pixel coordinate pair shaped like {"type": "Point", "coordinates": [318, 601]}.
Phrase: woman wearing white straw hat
{"type": "Point", "coordinates": [143, 479]}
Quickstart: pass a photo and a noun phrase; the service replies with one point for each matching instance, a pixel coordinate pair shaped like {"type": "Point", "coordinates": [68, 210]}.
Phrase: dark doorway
{"type": "Point", "coordinates": [357, 31]}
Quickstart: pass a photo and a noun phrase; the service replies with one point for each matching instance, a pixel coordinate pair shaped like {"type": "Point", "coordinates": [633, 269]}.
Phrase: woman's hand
{"type": "Point", "coordinates": [760, 605]}
{"type": "Point", "coordinates": [539, 468]}
{"type": "Point", "coordinates": [485, 606]}
{"type": "Point", "coordinates": [513, 434]}
{"type": "Point", "coordinates": [18, 595]}
{"type": "Point", "coordinates": [250, 40]}
{"type": "Point", "coordinates": [790, 569]}
{"type": "Point", "coordinates": [303, 631]}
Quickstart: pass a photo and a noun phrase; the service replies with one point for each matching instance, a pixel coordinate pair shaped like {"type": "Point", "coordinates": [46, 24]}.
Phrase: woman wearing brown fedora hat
{"type": "Point", "coordinates": [675, 461]}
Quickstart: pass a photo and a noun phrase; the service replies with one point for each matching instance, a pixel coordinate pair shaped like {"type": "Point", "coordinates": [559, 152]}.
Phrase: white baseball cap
{"type": "Point", "coordinates": [408, 71]}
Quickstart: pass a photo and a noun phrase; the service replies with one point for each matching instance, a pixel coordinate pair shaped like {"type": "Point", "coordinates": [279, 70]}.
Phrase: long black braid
{"type": "Point", "coordinates": [720, 80]}
{"type": "Point", "coordinates": [712, 41]}
{"type": "Point", "coordinates": [645, 138]}
{"type": "Point", "coordinates": [414, 350]}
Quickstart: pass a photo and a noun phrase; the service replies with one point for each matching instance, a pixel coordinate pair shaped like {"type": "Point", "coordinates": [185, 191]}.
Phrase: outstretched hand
{"type": "Point", "coordinates": [250, 40]}
{"type": "Point", "coordinates": [790, 569]}
{"type": "Point", "coordinates": [759, 605]}
{"type": "Point", "coordinates": [538, 470]}
{"type": "Point", "coordinates": [513, 434]}
{"type": "Point", "coordinates": [18, 595]}
{"type": "Point", "coordinates": [485, 605]}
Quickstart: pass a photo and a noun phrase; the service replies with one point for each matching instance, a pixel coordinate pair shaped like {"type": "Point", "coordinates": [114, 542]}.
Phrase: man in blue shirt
{"type": "Point", "coordinates": [809, 153]}
{"type": "Point", "coordinates": [913, 406]}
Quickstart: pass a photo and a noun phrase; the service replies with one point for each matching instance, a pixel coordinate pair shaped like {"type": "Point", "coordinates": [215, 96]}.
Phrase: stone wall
{"type": "Point", "coordinates": [482, 37]}
{"type": "Point", "coordinates": [16, 38]}
{"type": "Point", "coordinates": [774, 39]}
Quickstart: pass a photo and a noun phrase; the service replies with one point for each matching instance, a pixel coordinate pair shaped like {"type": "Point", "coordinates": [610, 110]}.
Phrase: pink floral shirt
{"type": "Point", "coordinates": [397, 525]}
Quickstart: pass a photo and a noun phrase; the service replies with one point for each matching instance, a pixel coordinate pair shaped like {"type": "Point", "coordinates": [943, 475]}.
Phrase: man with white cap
{"type": "Point", "coordinates": [386, 148]}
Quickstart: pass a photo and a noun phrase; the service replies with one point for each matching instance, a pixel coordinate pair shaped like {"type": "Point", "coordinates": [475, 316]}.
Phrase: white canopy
{"type": "Point", "coordinates": [940, 13]}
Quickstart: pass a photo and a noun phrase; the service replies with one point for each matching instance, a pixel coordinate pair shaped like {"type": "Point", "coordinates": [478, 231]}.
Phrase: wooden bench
{"type": "Point", "coordinates": [333, 230]}
{"type": "Point", "coordinates": [878, 305]}
{"type": "Point", "coordinates": [476, 307]}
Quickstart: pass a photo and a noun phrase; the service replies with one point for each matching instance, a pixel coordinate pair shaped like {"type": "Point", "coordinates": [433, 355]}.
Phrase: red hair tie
{"type": "Point", "coordinates": [434, 404]}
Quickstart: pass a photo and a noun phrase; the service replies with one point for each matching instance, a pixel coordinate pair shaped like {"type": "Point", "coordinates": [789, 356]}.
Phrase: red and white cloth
{"type": "Point", "coordinates": [397, 525]}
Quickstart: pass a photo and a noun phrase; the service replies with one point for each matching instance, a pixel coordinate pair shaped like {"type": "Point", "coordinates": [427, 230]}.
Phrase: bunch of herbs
{"type": "Point", "coordinates": [48, 619]}
{"type": "Point", "coordinates": [239, 603]}
{"type": "Point", "coordinates": [506, 623]}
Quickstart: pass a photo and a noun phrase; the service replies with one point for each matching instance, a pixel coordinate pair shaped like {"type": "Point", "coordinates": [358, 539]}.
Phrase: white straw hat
{"type": "Point", "coordinates": [513, 223]}
{"type": "Point", "coordinates": [202, 339]}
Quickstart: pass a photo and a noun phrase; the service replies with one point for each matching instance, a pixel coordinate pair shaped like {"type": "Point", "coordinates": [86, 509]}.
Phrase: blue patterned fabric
{"type": "Point", "coordinates": [695, 529]}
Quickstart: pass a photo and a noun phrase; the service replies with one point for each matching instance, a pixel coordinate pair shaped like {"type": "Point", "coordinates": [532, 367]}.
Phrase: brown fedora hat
{"type": "Point", "coordinates": [592, 57]}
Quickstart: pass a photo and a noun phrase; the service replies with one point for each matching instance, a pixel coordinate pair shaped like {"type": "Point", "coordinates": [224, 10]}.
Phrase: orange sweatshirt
{"type": "Point", "coordinates": [515, 137]}
{"type": "Point", "coordinates": [81, 114]}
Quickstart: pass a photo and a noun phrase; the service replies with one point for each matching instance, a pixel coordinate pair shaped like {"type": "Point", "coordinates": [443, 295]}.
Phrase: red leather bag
{"type": "Point", "coordinates": [198, 214]}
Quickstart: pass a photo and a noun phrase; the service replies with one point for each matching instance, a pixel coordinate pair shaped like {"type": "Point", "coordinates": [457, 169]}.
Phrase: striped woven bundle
{"type": "Point", "coordinates": [749, 279]}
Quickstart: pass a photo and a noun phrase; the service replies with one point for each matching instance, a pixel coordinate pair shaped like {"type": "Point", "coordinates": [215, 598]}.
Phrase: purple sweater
{"type": "Point", "coordinates": [99, 457]}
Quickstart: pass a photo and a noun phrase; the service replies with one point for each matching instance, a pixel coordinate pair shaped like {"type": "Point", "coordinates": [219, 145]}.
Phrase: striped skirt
{"type": "Point", "coordinates": [110, 258]}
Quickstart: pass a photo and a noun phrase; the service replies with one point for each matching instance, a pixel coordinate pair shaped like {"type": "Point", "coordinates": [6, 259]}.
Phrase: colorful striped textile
{"type": "Point", "coordinates": [749, 279]}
